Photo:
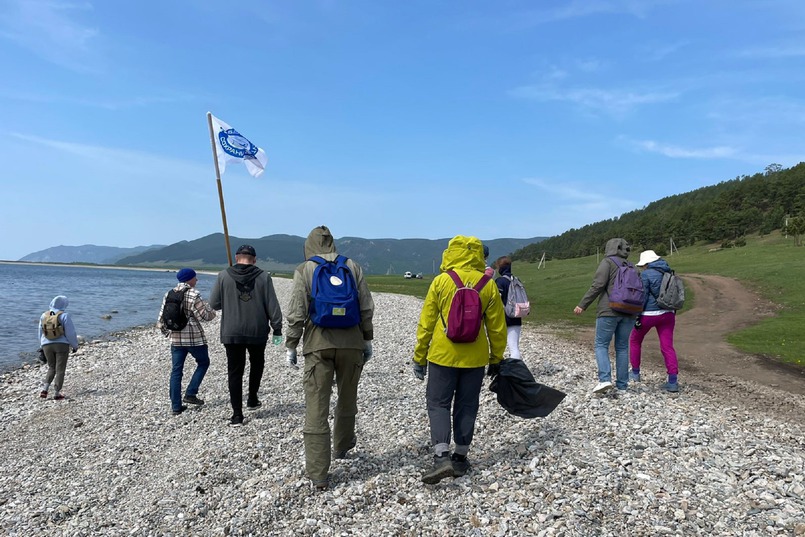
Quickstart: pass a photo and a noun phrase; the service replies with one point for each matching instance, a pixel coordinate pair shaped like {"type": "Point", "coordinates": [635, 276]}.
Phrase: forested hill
{"type": "Point", "coordinates": [721, 213]}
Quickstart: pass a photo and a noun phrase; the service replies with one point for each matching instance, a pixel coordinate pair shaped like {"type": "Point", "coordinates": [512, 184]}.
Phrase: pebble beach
{"type": "Point", "coordinates": [721, 457]}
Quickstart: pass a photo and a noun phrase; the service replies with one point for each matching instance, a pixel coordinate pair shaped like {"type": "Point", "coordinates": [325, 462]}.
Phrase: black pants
{"type": "Point", "coordinates": [235, 365]}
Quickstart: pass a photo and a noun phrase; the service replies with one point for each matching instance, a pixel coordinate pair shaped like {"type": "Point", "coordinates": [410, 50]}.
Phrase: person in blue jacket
{"type": "Point", "coordinates": [514, 325]}
{"type": "Point", "coordinates": [654, 316]}
{"type": "Point", "coordinates": [56, 345]}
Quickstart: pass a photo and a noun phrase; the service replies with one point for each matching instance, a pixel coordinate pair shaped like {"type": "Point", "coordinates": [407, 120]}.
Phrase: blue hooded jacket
{"type": "Point", "coordinates": [60, 303]}
{"type": "Point", "coordinates": [652, 278]}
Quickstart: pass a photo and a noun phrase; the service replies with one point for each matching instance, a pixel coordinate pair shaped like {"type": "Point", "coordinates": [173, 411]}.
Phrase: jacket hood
{"type": "Point", "coordinates": [319, 241]}
{"type": "Point", "coordinates": [660, 265]}
{"type": "Point", "coordinates": [505, 270]}
{"type": "Point", "coordinates": [617, 247]}
{"type": "Point", "coordinates": [244, 274]}
{"type": "Point", "coordinates": [59, 303]}
{"type": "Point", "coordinates": [463, 253]}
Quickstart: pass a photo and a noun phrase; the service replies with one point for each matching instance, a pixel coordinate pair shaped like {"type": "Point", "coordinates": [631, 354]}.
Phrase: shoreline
{"type": "Point", "coordinates": [708, 460]}
{"type": "Point", "coordinates": [105, 267]}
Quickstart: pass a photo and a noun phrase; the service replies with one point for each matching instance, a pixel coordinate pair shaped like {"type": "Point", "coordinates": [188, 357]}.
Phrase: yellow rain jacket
{"type": "Point", "coordinates": [464, 255]}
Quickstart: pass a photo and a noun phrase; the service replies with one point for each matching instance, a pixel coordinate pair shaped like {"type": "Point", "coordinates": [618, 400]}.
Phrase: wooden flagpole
{"type": "Point", "coordinates": [220, 188]}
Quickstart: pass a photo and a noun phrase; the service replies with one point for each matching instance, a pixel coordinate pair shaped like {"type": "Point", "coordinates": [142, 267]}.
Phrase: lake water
{"type": "Point", "coordinates": [131, 297]}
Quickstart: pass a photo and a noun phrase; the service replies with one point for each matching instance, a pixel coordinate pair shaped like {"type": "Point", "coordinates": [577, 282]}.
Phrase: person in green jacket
{"type": "Point", "coordinates": [456, 369]}
{"type": "Point", "coordinates": [339, 353]}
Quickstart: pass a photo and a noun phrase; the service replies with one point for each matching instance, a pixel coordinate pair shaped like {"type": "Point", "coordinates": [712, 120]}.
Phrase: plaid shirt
{"type": "Point", "coordinates": [197, 310]}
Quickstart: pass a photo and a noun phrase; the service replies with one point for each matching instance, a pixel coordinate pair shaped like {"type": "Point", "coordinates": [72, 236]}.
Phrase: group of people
{"type": "Point", "coordinates": [628, 330]}
{"type": "Point", "coordinates": [250, 312]}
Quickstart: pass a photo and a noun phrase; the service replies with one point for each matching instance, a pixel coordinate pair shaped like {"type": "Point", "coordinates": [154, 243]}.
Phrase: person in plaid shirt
{"type": "Point", "coordinates": [190, 339]}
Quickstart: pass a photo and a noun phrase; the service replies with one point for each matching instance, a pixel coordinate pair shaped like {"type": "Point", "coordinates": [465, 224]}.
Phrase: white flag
{"type": "Point", "coordinates": [231, 146]}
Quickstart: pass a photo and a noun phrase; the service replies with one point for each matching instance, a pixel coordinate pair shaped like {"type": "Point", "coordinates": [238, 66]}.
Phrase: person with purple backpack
{"type": "Point", "coordinates": [613, 317]}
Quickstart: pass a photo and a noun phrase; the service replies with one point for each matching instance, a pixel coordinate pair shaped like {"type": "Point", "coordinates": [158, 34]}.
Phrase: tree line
{"type": "Point", "coordinates": [725, 212]}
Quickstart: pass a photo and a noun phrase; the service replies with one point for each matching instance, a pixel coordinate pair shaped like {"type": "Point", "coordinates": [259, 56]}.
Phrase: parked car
{"type": "Point", "coordinates": [418, 276]}
{"type": "Point", "coordinates": [408, 275]}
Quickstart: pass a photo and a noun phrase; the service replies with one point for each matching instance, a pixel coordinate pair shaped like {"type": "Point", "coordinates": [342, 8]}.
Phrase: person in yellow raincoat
{"type": "Point", "coordinates": [456, 369]}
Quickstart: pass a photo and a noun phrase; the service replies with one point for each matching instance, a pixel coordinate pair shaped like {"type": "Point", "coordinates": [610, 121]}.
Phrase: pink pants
{"type": "Point", "coordinates": [665, 329]}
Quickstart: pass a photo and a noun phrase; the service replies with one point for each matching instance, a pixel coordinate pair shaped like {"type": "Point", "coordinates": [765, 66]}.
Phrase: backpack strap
{"type": "Point", "coordinates": [456, 279]}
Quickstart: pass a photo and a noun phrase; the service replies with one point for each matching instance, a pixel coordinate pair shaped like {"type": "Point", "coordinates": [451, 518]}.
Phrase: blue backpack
{"type": "Point", "coordinates": [627, 290]}
{"type": "Point", "coordinates": [333, 296]}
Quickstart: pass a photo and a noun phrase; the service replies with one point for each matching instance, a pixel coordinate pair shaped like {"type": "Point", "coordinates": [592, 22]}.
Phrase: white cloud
{"type": "Point", "coordinates": [673, 151]}
{"type": "Point", "coordinates": [586, 8]}
{"type": "Point", "coordinates": [783, 51]}
{"type": "Point", "coordinates": [50, 29]}
{"type": "Point", "coordinates": [614, 102]}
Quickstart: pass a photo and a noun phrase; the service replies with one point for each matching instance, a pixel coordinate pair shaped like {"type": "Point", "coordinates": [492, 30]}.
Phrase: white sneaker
{"type": "Point", "coordinates": [602, 387]}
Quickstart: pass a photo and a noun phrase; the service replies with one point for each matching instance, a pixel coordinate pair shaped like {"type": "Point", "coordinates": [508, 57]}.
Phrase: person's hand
{"type": "Point", "coordinates": [420, 370]}
{"type": "Point", "coordinates": [367, 351]}
{"type": "Point", "coordinates": [638, 323]}
{"type": "Point", "coordinates": [577, 310]}
{"type": "Point", "coordinates": [75, 350]}
{"type": "Point", "coordinates": [276, 340]}
{"type": "Point", "coordinates": [493, 370]}
{"type": "Point", "coordinates": [290, 355]}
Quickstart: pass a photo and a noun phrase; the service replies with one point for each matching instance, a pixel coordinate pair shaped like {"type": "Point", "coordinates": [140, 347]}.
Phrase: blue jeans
{"type": "Point", "coordinates": [620, 327]}
{"type": "Point", "coordinates": [178, 355]}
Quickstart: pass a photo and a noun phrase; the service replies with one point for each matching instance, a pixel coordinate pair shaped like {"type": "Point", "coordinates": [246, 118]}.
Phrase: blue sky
{"type": "Point", "coordinates": [383, 119]}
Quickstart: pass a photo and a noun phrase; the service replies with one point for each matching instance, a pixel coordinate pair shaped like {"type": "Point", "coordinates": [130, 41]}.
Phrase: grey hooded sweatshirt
{"type": "Point", "coordinates": [604, 279]}
{"type": "Point", "coordinates": [248, 303]}
{"type": "Point", "coordinates": [316, 338]}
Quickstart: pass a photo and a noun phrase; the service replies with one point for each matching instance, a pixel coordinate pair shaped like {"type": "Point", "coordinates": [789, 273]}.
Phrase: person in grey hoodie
{"type": "Point", "coordinates": [245, 295]}
{"type": "Point", "coordinates": [609, 323]}
{"type": "Point", "coordinates": [57, 348]}
{"type": "Point", "coordinates": [329, 352]}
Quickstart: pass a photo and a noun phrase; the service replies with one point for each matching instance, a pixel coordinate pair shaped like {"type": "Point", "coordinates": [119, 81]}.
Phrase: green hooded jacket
{"type": "Point", "coordinates": [464, 256]}
{"type": "Point", "coordinates": [300, 327]}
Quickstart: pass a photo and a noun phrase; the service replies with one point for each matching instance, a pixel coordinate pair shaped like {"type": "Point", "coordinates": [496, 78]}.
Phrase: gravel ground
{"type": "Point", "coordinates": [112, 460]}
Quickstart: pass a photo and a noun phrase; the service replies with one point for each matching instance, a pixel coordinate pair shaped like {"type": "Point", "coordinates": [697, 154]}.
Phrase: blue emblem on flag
{"type": "Point", "coordinates": [236, 145]}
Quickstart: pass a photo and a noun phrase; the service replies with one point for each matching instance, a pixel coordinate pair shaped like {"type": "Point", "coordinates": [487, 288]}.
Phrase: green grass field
{"type": "Point", "coordinates": [772, 266]}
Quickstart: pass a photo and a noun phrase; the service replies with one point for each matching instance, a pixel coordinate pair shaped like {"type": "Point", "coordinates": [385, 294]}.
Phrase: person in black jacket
{"type": "Point", "coordinates": [249, 307]}
{"type": "Point", "coordinates": [513, 324]}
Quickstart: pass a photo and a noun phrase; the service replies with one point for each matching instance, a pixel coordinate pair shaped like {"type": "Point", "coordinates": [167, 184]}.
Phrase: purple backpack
{"type": "Point", "coordinates": [627, 290]}
{"type": "Point", "coordinates": [466, 311]}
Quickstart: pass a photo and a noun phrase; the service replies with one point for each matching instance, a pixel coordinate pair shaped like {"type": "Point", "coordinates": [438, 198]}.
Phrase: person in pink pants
{"type": "Point", "coordinates": [654, 316]}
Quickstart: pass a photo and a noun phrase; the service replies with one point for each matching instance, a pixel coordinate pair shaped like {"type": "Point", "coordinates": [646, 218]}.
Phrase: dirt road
{"type": "Point", "coordinates": [708, 362]}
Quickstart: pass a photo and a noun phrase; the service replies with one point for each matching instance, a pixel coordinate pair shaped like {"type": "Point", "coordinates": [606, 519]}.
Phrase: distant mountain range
{"type": "Point", "coordinates": [87, 253]}
{"type": "Point", "coordinates": [277, 253]}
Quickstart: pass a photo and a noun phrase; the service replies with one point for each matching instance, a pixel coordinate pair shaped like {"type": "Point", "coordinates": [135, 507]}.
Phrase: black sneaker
{"type": "Point", "coordinates": [442, 468]}
{"type": "Point", "coordinates": [180, 410]}
{"type": "Point", "coordinates": [236, 420]}
{"type": "Point", "coordinates": [254, 405]}
{"type": "Point", "coordinates": [342, 454]}
{"type": "Point", "coordinates": [460, 464]}
{"type": "Point", "coordinates": [193, 400]}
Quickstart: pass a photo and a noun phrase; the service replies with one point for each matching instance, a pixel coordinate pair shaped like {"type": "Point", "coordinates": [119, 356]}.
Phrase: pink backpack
{"type": "Point", "coordinates": [466, 311]}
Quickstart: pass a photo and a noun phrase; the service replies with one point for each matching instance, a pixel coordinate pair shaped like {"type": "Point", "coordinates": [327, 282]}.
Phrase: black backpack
{"type": "Point", "coordinates": [174, 316]}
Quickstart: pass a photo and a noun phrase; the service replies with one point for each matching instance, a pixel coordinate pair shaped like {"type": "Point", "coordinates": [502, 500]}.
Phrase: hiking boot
{"type": "Point", "coordinates": [460, 464]}
{"type": "Point", "coordinates": [342, 453]}
{"type": "Point", "coordinates": [322, 485]}
{"type": "Point", "coordinates": [672, 387]}
{"type": "Point", "coordinates": [60, 397]}
{"type": "Point", "coordinates": [602, 387]}
{"type": "Point", "coordinates": [254, 405]}
{"type": "Point", "coordinates": [193, 400]}
{"type": "Point", "coordinates": [43, 394]}
{"type": "Point", "coordinates": [236, 420]}
{"type": "Point", "coordinates": [634, 377]}
{"type": "Point", "coordinates": [442, 468]}
{"type": "Point", "coordinates": [179, 410]}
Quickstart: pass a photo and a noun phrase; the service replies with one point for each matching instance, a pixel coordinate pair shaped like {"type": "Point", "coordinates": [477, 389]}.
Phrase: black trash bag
{"type": "Point", "coordinates": [520, 394]}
